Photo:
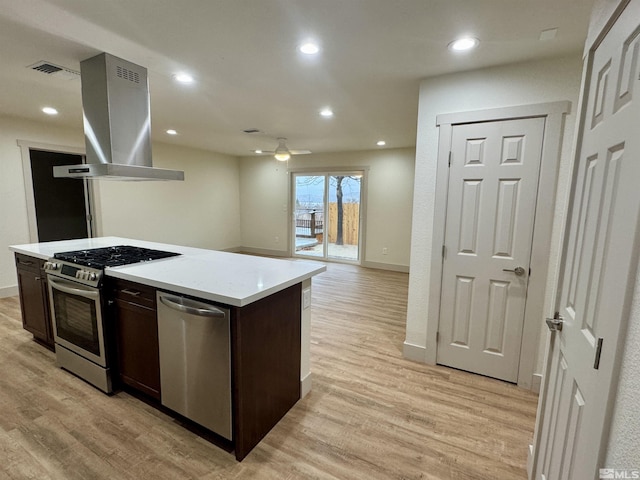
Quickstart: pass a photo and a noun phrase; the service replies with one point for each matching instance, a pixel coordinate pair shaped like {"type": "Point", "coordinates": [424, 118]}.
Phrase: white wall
{"type": "Point", "coordinates": [511, 85]}
{"type": "Point", "coordinates": [265, 201]}
{"type": "Point", "coordinates": [14, 226]}
{"type": "Point", "coordinates": [203, 211]}
{"type": "Point", "coordinates": [623, 450]}
{"type": "Point", "coordinates": [264, 204]}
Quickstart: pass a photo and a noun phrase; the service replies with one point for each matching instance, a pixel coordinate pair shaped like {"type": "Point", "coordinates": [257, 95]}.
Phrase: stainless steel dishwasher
{"type": "Point", "coordinates": [195, 361]}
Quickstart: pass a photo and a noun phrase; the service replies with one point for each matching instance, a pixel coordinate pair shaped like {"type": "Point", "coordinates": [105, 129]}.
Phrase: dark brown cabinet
{"type": "Point", "coordinates": [34, 298]}
{"type": "Point", "coordinates": [133, 313]}
{"type": "Point", "coordinates": [266, 344]}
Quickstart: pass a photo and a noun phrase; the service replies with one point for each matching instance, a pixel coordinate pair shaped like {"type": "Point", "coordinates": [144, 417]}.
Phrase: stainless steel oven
{"type": "Point", "coordinates": [81, 331]}
{"type": "Point", "coordinates": [78, 321]}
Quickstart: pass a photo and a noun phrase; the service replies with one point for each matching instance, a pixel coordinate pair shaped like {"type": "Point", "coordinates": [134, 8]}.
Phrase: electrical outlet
{"type": "Point", "coordinates": [385, 250]}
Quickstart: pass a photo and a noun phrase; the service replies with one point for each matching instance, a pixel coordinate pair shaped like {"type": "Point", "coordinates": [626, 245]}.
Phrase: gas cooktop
{"type": "Point", "coordinates": [112, 256]}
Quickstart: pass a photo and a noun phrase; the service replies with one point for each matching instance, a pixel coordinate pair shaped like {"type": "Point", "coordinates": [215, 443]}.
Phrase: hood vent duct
{"type": "Point", "coordinates": [117, 123]}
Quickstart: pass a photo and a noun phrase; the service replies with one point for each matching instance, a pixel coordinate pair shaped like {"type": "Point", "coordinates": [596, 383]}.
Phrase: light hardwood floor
{"type": "Point", "coordinates": [370, 415]}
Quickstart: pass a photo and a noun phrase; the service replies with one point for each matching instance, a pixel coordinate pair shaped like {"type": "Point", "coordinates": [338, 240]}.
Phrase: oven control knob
{"type": "Point", "coordinates": [51, 266]}
{"type": "Point", "coordinates": [92, 276]}
{"type": "Point", "coordinates": [79, 274]}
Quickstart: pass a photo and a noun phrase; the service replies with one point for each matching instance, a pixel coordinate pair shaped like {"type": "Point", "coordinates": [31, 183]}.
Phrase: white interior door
{"type": "Point", "coordinates": [602, 234]}
{"type": "Point", "coordinates": [493, 182]}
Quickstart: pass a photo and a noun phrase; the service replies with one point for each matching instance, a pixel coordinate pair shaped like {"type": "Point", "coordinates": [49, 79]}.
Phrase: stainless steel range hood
{"type": "Point", "coordinates": [117, 123]}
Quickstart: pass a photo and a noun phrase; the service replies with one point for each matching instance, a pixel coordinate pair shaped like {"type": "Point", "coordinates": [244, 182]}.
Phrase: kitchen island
{"type": "Point", "coordinates": [268, 300]}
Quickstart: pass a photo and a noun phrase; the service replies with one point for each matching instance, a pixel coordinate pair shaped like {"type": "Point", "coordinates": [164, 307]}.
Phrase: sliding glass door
{"type": "Point", "coordinates": [309, 196]}
{"type": "Point", "coordinates": [327, 215]}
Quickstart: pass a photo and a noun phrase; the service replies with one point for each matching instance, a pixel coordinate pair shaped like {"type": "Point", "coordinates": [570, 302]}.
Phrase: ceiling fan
{"type": "Point", "coordinates": [282, 152]}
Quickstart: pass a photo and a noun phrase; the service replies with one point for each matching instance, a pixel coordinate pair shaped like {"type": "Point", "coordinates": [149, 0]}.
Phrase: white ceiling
{"type": "Point", "coordinates": [249, 73]}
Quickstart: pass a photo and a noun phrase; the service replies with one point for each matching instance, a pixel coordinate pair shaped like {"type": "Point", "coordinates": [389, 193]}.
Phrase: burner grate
{"type": "Point", "coordinates": [113, 256]}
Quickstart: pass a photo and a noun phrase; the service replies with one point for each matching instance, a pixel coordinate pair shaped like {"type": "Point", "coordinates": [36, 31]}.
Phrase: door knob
{"type": "Point", "coordinates": [519, 271]}
{"type": "Point", "coordinates": [555, 323]}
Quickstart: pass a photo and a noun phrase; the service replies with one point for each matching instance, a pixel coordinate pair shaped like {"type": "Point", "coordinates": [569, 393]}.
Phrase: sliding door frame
{"type": "Point", "coordinates": [328, 172]}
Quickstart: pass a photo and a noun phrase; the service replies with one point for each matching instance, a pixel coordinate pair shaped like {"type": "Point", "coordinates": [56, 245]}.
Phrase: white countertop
{"type": "Point", "coordinates": [229, 278]}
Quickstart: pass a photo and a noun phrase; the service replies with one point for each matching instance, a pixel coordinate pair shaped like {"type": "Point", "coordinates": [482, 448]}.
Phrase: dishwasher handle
{"type": "Point", "coordinates": [191, 307]}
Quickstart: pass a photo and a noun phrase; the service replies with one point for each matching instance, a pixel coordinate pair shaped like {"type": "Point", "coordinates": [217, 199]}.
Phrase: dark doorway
{"type": "Point", "coordinates": [61, 203]}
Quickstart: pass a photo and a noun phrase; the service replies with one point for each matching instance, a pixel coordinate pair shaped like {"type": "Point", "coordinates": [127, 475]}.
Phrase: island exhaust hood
{"type": "Point", "coordinates": [117, 123]}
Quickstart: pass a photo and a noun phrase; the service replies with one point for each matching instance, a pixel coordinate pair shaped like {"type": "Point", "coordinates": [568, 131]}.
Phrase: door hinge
{"type": "Point", "coordinates": [89, 217]}
{"type": "Point", "coordinates": [449, 158]}
{"type": "Point", "coordinates": [444, 251]}
{"type": "Point", "coordinates": [596, 363]}
{"type": "Point", "coordinates": [437, 337]}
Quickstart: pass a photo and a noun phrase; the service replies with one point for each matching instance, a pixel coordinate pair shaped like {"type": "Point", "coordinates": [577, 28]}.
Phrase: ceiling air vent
{"type": "Point", "coordinates": [54, 70]}
{"type": "Point", "coordinates": [47, 68]}
{"type": "Point", "coordinates": [252, 130]}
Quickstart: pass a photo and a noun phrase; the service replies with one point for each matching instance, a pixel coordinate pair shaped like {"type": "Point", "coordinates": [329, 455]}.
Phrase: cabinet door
{"type": "Point", "coordinates": [137, 340]}
{"type": "Point", "coordinates": [33, 302]}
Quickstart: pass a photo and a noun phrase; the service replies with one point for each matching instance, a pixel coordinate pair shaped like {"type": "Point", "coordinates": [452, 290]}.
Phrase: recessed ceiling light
{"type": "Point", "coordinates": [464, 44]}
{"type": "Point", "coordinates": [309, 48]}
{"type": "Point", "coordinates": [171, 131]}
{"type": "Point", "coordinates": [258, 151]}
{"type": "Point", "coordinates": [50, 111]}
{"type": "Point", "coordinates": [381, 143]}
{"type": "Point", "coordinates": [326, 112]}
{"type": "Point", "coordinates": [183, 78]}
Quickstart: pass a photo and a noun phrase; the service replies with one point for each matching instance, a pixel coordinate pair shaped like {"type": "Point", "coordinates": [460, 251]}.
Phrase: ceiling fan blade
{"type": "Point", "coordinates": [299, 152]}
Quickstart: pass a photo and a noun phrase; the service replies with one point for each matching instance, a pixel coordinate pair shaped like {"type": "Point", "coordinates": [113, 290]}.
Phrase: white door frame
{"type": "Point", "coordinates": [25, 147]}
{"type": "Point", "coordinates": [554, 114]}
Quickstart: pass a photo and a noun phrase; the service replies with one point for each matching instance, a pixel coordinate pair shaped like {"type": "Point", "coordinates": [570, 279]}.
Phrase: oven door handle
{"type": "Point", "coordinates": [73, 291]}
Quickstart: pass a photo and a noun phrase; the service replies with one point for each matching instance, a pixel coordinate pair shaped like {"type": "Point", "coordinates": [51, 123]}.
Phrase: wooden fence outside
{"type": "Point", "coordinates": [350, 222]}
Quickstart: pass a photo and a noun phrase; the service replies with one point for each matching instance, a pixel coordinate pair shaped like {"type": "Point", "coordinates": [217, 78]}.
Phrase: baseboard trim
{"type": "Point", "coordinates": [232, 249]}
{"type": "Point", "coordinates": [9, 291]}
{"type": "Point", "coordinates": [305, 385]}
{"type": "Point", "coordinates": [386, 266]}
{"type": "Point", "coordinates": [415, 353]}
{"type": "Point", "coordinates": [530, 462]}
{"type": "Point", "coordinates": [263, 251]}
{"type": "Point", "coordinates": [283, 253]}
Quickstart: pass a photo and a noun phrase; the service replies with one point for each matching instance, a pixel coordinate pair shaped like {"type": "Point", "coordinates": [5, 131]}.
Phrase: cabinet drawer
{"type": "Point", "coordinates": [29, 263]}
{"type": "Point", "coordinates": [135, 293]}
